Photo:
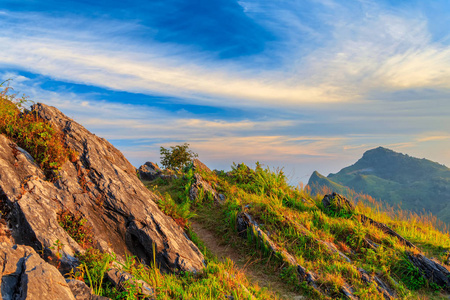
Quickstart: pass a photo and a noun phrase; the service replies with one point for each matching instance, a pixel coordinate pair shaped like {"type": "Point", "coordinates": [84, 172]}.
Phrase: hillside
{"type": "Point", "coordinates": [393, 178]}
{"type": "Point", "coordinates": [79, 222]}
{"type": "Point", "coordinates": [321, 247]}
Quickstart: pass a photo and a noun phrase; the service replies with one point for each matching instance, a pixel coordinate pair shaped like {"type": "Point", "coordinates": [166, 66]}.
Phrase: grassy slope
{"type": "Point", "coordinates": [219, 279]}
{"type": "Point", "coordinates": [395, 178]}
{"type": "Point", "coordinates": [295, 221]}
{"type": "Point", "coordinates": [284, 212]}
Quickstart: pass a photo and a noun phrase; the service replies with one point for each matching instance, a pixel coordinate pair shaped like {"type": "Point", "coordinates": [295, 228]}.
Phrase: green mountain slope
{"type": "Point", "coordinates": [394, 178]}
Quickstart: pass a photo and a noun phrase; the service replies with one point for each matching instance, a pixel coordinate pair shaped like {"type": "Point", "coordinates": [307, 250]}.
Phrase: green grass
{"type": "Point", "coordinates": [44, 142]}
{"type": "Point", "coordinates": [297, 223]}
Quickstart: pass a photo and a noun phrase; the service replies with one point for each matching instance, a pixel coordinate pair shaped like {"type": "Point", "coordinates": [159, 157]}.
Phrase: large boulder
{"type": "Point", "coordinates": [149, 171]}
{"type": "Point", "coordinates": [25, 275]}
{"type": "Point", "coordinates": [103, 188]}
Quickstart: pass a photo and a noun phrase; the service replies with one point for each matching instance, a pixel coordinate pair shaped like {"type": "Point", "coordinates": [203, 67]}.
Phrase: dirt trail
{"type": "Point", "coordinates": [222, 251]}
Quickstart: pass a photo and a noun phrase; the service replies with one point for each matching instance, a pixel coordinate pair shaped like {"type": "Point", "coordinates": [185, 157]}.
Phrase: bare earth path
{"type": "Point", "coordinates": [222, 251]}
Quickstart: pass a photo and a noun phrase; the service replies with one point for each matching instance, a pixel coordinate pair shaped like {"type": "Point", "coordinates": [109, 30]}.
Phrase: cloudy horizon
{"type": "Point", "coordinates": [304, 85]}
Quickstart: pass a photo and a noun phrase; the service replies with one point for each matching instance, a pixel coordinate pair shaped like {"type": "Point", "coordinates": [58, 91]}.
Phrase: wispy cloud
{"type": "Point", "coordinates": [374, 52]}
{"type": "Point", "coordinates": [337, 79]}
{"type": "Point", "coordinates": [434, 138]}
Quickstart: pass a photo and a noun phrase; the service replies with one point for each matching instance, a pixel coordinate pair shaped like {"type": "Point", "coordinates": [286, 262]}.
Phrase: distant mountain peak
{"type": "Point", "coordinates": [394, 178]}
{"type": "Point", "coordinates": [379, 151]}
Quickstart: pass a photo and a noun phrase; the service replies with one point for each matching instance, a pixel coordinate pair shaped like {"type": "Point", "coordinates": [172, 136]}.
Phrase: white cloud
{"type": "Point", "coordinates": [347, 81]}
{"type": "Point", "coordinates": [376, 52]}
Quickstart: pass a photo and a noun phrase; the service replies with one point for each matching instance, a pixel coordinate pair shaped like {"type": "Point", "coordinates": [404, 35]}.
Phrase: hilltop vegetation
{"type": "Point", "coordinates": [335, 246]}
{"type": "Point", "coordinates": [318, 246]}
{"type": "Point", "coordinates": [393, 178]}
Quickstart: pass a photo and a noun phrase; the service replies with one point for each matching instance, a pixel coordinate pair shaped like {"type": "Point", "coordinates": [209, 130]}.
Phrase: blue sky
{"type": "Point", "coordinates": [304, 85]}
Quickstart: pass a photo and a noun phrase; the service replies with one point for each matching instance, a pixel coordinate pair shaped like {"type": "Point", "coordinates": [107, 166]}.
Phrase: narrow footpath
{"type": "Point", "coordinates": [222, 251]}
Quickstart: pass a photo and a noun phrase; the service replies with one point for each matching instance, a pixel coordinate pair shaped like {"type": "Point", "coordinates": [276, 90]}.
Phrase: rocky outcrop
{"type": "Point", "coordinates": [244, 222]}
{"type": "Point", "coordinates": [337, 203]}
{"type": "Point", "coordinates": [25, 275]}
{"type": "Point", "coordinates": [431, 270]}
{"type": "Point", "coordinates": [149, 171]}
{"type": "Point", "coordinates": [199, 184]}
{"type": "Point", "coordinates": [386, 229]}
{"type": "Point", "coordinates": [101, 186]}
{"type": "Point", "coordinates": [199, 166]}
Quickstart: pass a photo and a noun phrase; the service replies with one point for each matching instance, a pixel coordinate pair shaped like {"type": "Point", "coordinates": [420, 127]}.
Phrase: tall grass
{"type": "Point", "coordinates": [298, 223]}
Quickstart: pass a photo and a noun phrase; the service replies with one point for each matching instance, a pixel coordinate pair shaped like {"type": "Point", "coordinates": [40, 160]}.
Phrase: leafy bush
{"type": "Point", "coordinates": [179, 212]}
{"type": "Point", "coordinates": [177, 157]}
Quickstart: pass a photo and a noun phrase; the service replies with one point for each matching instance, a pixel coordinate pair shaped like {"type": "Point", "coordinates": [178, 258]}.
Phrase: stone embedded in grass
{"type": "Point", "coordinates": [386, 229]}
{"type": "Point", "coordinates": [123, 281]}
{"type": "Point", "coordinates": [382, 287]}
{"type": "Point", "coordinates": [431, 270]}
{"type": "Point", "coordinates": [338, 204]}
{"type": "Point", "coordinates": [200, 184]}
{"type": "Point", "coordinates": [82, 292]}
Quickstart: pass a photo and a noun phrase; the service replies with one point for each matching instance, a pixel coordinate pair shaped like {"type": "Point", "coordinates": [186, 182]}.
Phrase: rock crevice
{"type": "Point", "coordinates": [102, 186]}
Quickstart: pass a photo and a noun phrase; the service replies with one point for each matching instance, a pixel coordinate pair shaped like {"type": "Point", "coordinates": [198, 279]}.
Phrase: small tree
{"type": "Point", "coordinates": [177, 157]}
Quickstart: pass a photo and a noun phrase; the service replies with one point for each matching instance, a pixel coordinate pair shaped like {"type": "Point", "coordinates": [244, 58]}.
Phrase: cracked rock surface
{"type": "Point", "coordinates": [103, 188]}
{"type": "Point", "coordinates": [25, 275]}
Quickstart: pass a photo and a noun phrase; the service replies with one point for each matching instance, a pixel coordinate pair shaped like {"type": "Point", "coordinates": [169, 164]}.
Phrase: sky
{"type": "Point", "coordinates": [301, 85]}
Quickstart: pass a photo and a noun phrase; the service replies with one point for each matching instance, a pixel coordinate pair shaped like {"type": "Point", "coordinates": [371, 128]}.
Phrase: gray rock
{"type": "Point", "coordinates": [27, 276]}
{"type": "Point", "coordinates": [332, 248]}
{"type": "Point", "coordinates": [122, 279]}
{"type": "Point", "coordinates": [431, 270]}
{"type": "Point", "coordinates": [199, 166]}
{"type": "Point", "coordinates": [149, 171]}
{"type": "Point", "coordinates": [81, 291]}
{"type": "Point", "coordinates": [338, 203]}
{"type": "Point", "coordinates": [101, 186]}
{"type": "Point", "coordinates": [382, 287]}
{"type": "Point", "coordinates": [386, 229]}
{"type": "Point", "coordinates": [201, 184]}
{"type": "Point", "coordinates": [244, 222]}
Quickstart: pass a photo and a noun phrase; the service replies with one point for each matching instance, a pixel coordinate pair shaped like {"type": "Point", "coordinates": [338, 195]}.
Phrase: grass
{"type": "Point", "coordinates": [37, 136]}
{"type": "Point", "coordinates": [297, 223]}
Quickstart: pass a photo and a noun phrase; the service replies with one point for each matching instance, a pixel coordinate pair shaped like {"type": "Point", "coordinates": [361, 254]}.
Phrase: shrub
{"type": "Point", "coordinates": [76, 227]}
{"type": "Point", "coordinates": [177, 157]}
{"type": "Point", "coordinates": [32, 133]}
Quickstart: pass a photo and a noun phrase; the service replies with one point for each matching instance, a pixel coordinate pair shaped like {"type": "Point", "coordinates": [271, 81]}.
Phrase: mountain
{"type": "Point", "coordinates": [395, 178]}
{"type": "Point", "coordinates": [78, 221]}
